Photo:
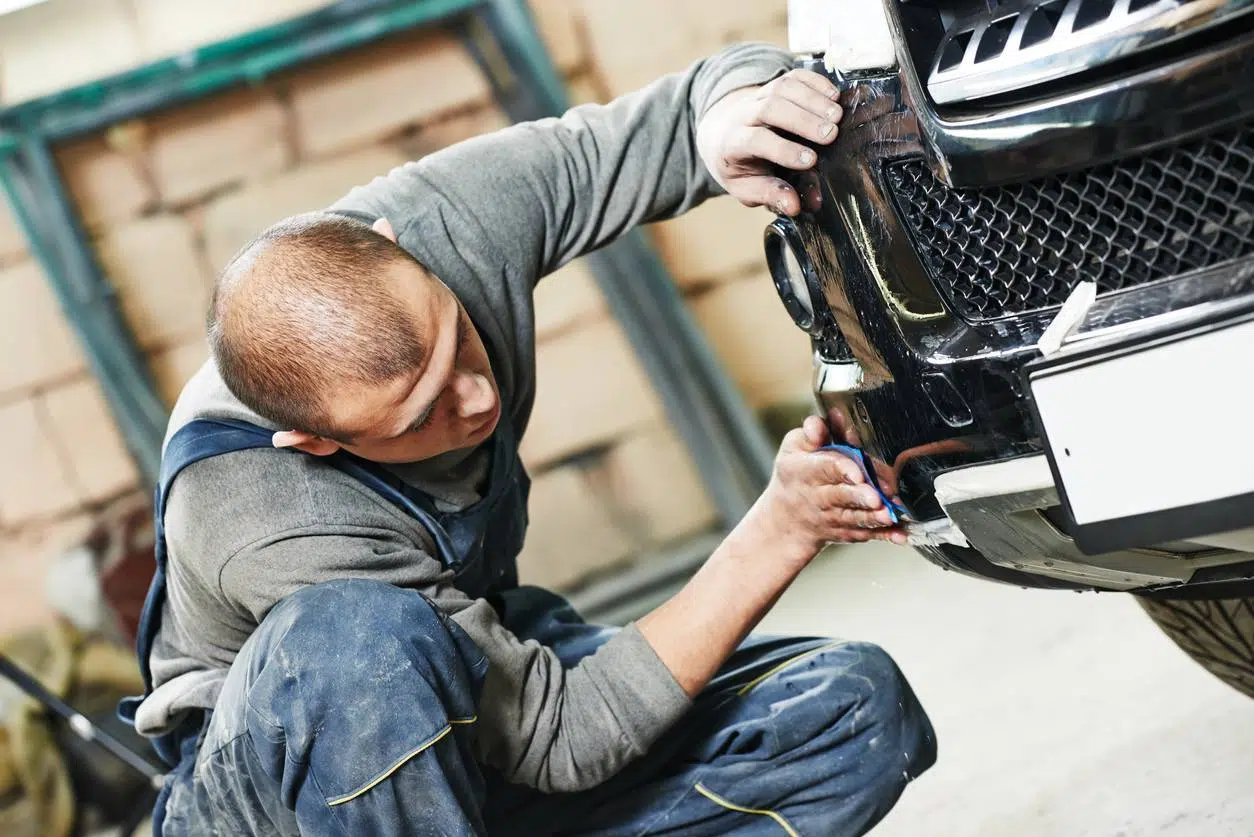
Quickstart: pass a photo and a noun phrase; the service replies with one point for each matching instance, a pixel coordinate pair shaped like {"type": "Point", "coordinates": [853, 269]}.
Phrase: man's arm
{"type": "Point", "coordinates": [815, 497]}
{"type": "Point", "coordinates": [570, 729]}
{"type": "Point", "coordinates": [540, 723]}
{"type": "Point", "coordinates": [544, 192]}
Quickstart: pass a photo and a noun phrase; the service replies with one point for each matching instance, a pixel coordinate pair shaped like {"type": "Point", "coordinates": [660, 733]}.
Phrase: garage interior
{"type": "Point", "coordinates": [143, 141]}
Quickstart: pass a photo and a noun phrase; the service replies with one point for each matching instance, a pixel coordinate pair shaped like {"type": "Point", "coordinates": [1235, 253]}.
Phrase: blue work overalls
{"type": "Point", "coordinates": [351, 709]}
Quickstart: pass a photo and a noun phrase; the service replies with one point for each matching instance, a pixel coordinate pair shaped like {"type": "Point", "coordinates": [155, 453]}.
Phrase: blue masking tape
{"type": "Point", "coordinates": [895, 512]}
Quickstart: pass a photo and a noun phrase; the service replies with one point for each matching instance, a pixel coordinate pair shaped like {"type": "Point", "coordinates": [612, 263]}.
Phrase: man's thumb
{"type": "Point", "coordinates": [809, 437]}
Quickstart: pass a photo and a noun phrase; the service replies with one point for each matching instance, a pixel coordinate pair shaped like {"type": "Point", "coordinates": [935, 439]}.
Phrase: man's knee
{"type": "Point", "coordinates": [344, 687]}
{"type": "Point", "coordinates": [337, 606]}
{"type": "Point", "coordinates": [358, 659]}
{"type": "Point", "coordinates": [888, 703]}
{"type": "Point", "coordinates": [352, 677]}
{"type": "Point", "coordinates": [343, 642]}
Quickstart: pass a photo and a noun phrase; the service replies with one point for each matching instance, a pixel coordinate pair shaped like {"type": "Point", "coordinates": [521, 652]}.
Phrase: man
{"type": "Point", "coordinates": [336, 642]}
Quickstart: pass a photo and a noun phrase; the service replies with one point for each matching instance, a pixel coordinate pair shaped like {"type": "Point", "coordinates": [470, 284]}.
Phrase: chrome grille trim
{"type": "Point", "coordinates": [987, 54]}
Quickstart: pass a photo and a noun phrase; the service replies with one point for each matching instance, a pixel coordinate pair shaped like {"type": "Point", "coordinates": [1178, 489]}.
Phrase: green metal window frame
{"type": "Point", "coordinates": [727, 442]}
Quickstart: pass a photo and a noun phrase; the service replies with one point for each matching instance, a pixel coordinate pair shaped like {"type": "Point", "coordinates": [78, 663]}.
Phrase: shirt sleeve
{"type": "Point", "coordinates": [542, 193]}
{"type": "Point", "coordinates": [564, 730]}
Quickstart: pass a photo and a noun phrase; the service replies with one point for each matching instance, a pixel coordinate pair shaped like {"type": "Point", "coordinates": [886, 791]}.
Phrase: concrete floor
{"type": "Point", "coordinates": [1058, 714]}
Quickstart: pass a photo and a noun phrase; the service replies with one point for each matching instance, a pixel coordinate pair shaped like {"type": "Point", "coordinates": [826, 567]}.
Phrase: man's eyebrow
{"type": "Point", "coordinates": [460, 333]}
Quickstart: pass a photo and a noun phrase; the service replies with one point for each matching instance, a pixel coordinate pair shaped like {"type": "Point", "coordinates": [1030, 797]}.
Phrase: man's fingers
{"type": "Point", "coordinates": [779, 112]}
{"type": "Point", "coordinates": [815, 81]}
{"type": "Point", "coordinates": [808, 438]}
{"type": "Point", "coordinates": [813, 465]}
{"type": "Point", "coordinates": [851, 496]}
{"type": "Point", "coordinates": [834, 468]}
{"type": "Point", "coordinates": [816, 431]}
{"type": "Point", "coordinates": [795, 442]}
{"type": "Point", "coordinates": [849, 536]}
{"type": "Point", "coordinates": [895, 535]}
{"type": "Point", "coordinates": [844, 518]}
{"type": "Point", "coordinates": [765, 144]}
{"type": "Point", "coordinates": [812, 115]}
{"type": "Point", "coordinates": [765, 190]}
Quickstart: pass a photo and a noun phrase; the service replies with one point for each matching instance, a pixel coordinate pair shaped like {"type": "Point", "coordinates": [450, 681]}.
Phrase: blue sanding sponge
{"type": "Point", "coordinates": [895, 512]}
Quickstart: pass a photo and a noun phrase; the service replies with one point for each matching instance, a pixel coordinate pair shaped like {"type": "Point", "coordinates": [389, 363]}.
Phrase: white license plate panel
{"type": "Point", "coordinates": [1151, 428]}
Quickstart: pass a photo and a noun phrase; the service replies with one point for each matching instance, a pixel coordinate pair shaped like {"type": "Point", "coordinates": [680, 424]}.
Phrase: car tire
{"type": "Point", "coordinates": [1216, 633]}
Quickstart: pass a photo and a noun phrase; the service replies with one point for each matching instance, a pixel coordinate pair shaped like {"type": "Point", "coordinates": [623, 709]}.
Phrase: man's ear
{"type": "Point", "coordinates": [384, 228]}
{"type": "Point", "coordinates": [307, 442]}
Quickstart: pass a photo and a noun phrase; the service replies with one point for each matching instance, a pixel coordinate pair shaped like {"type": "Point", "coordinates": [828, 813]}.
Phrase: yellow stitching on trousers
{"type": "Point", "coordinates": [340, 800]}
{"type": "Point", "coordinates": [748, 687]}
{"type": "Point", "coordinates": [731, 806]}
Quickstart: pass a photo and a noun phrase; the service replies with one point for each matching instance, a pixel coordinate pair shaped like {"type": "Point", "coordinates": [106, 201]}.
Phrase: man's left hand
{"type": "Point", "coordinates": [739, 138]}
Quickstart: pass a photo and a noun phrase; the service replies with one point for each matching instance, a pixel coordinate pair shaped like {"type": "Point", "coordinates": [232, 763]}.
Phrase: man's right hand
{"type": "Point", "coordinates": [817, 497]}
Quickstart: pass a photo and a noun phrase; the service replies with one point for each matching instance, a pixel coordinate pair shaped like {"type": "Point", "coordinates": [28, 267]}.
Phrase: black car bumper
{"type": "Point", "coordinates": [937, 230]}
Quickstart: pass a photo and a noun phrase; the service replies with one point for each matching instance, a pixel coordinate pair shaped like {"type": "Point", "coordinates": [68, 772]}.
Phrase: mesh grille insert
{"type": "Point", "coordinates": [1013, 249]}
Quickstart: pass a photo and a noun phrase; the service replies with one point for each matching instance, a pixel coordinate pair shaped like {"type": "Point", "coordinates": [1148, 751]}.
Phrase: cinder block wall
{"type": "Point", "coordinates": [168, 199]}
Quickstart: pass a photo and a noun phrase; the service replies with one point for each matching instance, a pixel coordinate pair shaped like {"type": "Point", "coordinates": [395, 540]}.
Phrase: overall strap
{"type": "Point", "coordinates": [195, 441]}
{"type": "Point", "coordinates": [205, 438]}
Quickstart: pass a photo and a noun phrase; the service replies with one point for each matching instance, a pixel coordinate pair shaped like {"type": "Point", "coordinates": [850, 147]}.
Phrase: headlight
{"type": "Point", "coordinates": [792, 271]}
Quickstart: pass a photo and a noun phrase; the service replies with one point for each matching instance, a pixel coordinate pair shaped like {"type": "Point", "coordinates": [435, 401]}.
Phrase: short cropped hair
{"type": "Point", "coordinates": [305, 307]}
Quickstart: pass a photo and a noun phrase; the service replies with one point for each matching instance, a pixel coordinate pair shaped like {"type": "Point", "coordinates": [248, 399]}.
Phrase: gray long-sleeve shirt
{"type": "Point", "coordinates": [489, 217]}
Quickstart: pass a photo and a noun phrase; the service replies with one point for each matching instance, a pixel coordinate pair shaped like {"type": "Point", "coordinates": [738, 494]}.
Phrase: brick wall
{"type": "Point", "coordinates": [168, 199]}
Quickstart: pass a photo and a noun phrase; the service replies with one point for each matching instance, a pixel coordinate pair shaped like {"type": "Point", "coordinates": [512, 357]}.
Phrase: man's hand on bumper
{"type": "Point", "coordinates": [742, 138]}
{"type": "Point", "coordinates": [817, 497]}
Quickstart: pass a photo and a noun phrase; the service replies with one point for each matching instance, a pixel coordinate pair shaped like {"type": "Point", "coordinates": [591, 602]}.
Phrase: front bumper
{"type": "Point", "coordinates": [930, 391]}
{"type": "Point", "coordinates": [939, 395]}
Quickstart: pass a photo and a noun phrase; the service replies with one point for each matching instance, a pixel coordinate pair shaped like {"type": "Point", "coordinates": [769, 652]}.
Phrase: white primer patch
{"type": "Point", "coordinates": [858, 37]}
{"type": "Point", "coordinates": [1012, 476]}
{"type": "Point", "coordinates": [850, 34]}
{"type": "Point", "coordinates": [935, 533]}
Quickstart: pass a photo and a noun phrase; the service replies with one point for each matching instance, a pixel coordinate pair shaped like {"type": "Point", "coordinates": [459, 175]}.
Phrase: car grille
{"type": "Point", "coordinates": [1009, 46]}
{"type": "Point", "coordinates": [1013, 249]}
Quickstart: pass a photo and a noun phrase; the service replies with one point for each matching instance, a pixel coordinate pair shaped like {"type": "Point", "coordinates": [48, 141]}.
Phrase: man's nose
{"type": "Point", "coordinates": [475, 395]}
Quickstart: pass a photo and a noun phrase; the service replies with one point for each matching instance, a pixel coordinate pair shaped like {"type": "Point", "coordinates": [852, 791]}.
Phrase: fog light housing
{"type": "Point", "coordinates": [793, 273]}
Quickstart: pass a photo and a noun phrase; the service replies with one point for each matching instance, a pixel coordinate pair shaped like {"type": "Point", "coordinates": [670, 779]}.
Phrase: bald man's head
{"type": "Point", "coordinates": [315, 305]}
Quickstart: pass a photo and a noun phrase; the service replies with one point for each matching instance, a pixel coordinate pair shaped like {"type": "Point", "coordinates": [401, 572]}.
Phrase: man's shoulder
{"type": "Point", "coordinates": [219, 505]}
{"type": "Point", "coordinates": [226, 503]}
